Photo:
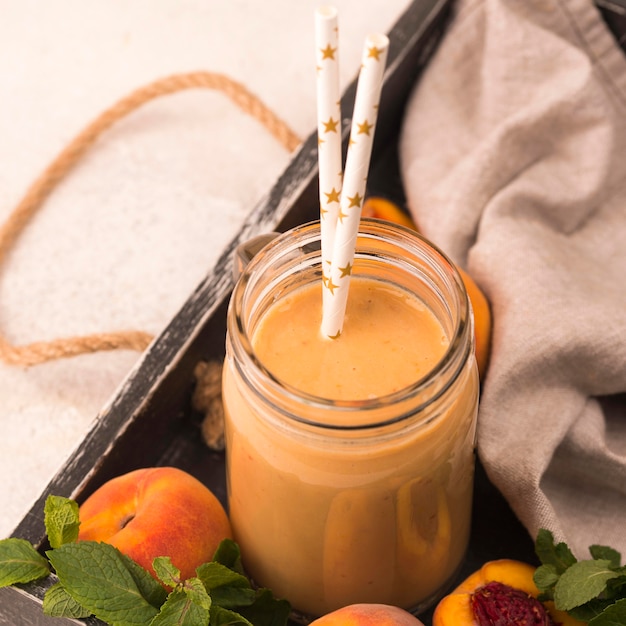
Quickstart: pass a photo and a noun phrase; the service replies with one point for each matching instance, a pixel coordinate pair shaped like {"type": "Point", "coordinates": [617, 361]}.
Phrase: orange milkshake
{"type": "Point", "coordinates": [350, 461]}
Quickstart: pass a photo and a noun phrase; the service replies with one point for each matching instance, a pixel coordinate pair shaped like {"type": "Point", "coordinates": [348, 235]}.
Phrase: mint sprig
{"type": "Point", "coordinates": [591, 590]}
{"type": "Point", "coordinates": [97, 579]}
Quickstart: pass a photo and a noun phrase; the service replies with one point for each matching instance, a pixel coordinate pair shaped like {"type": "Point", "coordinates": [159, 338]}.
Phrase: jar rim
{"type": "Point", "coordinates": [447, 368]}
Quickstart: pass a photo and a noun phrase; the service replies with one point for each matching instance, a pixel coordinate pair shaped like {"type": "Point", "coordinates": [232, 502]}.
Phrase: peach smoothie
{"type": "Point", "coordinates": [350, 461]}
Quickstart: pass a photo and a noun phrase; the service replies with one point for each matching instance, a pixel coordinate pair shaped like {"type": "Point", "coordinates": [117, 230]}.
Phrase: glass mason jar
{"type": "Point", "coordinates": [335, 502]}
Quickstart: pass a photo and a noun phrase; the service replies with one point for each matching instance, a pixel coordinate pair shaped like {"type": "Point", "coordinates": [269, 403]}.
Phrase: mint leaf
{"type": "Point", "coordinates": [606, 553]}
{"type": "Point", "coordinates": [267, 610]}
{"type": "Point", "coordinates": [586, 612]}
{"type": "Point", "coordinates": [180, 610]}
{"type": "Point", "coordinates": [197, 593]}
{"type": "Point", "coordinates": [148, 587]}
{"type": "Point", "coordinates": [616, 587]}
{"type": "Point", "coordinates": [614, 615]}
{"type": "Point", "coordinates": [20, 562]}
{"type": "Point", "coordinates": [545, 577]}
{"type": "Point", "coordinates": [229, 554]}
{"type": "Point", "coordinates": [215, 575]}
{"type": "Point", "coordinates": [168, 574]}
{"type": "Point", "coordinates": [233, 597]}
{"type": "Point", "coordinates": [227, 588]}
{"type": "Point", "coordinates": [61, 519]}
{"type": "Point", "coordinates": [223, 617]}
{"type": "Point", "coordinates": [549, 553]}
{"type": "Point", "coordinates": [96, 576]}
{"type": "Point", "coordinates": [58, 603]}
{"type": "Point", "coordinates": [582, 582]}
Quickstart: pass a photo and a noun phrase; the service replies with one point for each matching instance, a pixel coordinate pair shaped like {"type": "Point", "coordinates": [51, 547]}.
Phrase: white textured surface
{"type": "Point", "coordinates": [126, 237]}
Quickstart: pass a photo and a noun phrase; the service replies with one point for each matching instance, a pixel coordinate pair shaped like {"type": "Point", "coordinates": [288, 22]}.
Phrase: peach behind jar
{"type": "Point", "coordinates": [338, 502]}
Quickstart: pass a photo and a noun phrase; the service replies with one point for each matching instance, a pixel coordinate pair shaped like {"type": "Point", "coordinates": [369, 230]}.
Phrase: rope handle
{"type": "Point", "coordinates": [42, 351]}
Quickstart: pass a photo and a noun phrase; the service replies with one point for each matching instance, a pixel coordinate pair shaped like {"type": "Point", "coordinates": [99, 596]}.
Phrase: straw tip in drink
{"type": "Point", "coordinates": [327, 11]}
{"type": "Point", "coordinates": [377, 39]}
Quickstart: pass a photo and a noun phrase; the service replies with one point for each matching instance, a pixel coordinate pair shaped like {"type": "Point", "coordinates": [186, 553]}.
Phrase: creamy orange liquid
{"type": "Point", "coordinates": [390, 340]}
{"type": "Point", "coordinates": [325, 523]}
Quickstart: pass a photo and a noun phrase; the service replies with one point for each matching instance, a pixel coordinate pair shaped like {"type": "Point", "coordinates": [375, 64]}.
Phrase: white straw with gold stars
{"type": "Point", "coordinates": [354, 182]}
{"type": "Point", "coordinates": [328, 129]}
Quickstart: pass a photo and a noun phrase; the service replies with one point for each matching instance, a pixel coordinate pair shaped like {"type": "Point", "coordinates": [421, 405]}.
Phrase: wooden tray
{"type": "Point", "coordinates": [151, 422]}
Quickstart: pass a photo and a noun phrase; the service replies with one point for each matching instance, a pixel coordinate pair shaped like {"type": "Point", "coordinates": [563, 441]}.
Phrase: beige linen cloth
{"type": "Point", "coordinates": [513, 154]}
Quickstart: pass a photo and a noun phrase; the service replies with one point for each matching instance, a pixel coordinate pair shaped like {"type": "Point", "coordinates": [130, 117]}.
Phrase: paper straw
{"type": "Point", "coordinates": [354, 182]}
{"type": "Point", "coordinates": [328, 128]}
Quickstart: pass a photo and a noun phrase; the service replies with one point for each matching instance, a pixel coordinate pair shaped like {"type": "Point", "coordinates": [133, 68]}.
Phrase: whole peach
{"type": "Point", "coordinates": [161, 511]}
{"type": "Point", "coordinates": [368, 615]}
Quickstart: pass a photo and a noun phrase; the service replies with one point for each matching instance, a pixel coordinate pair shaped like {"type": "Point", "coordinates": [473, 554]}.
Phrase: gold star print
{"type": "Point", "coordinates": [328, 52]}
{"type": "Point", "coordinates": [330, 285]}
{"type": "Point", "coordinates": [320, 141]}
{"type": "Point", "coordinates": [324, 280]}
{"type": "Point", "coordinates": [374, 53]}
{"type": "Point", "coordinates": [330, 126]}
{"type": "Point", "coordinates": [333, 196]}
{"type": "Point", "coordinates": [323, 211]}
{"type": "Point", "coordinates": [355, 200]}
{"type": "Point", "coordinates": [364, 128]}
{"type": "Point", "coordinates": [346, 271]}
{"type": "Point", "coordinates": [341, 215]}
